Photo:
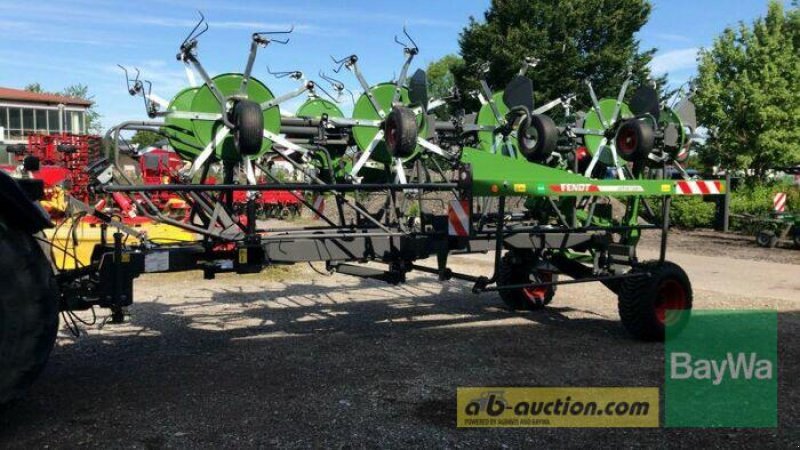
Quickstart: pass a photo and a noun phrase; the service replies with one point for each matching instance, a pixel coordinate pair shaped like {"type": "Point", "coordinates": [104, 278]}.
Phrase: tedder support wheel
{"type": "Point", "coordinates": [644, 301]}
{"type": "Point", "coordinates": [635, 140]}
{"type": "Point", "coordinates": [796, 238]}
{"type": "Point", "coordinates": [249, 133]}
{"type": "Point", "coordinates": [517, 269]}
{"type": "Point", "coordinates": [401, 132]}
{"type": "Point", "coordinates": [767, 239]}
{"type": "Point", "coordinates": [28, 312]}
{"type": "Point", "coordinates": [537, 137]}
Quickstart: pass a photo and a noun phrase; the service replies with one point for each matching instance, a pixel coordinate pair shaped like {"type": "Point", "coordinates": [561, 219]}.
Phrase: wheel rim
{"type": "Point", "coordinates": [391, 135]}
{"type": "Point", "coordinates": [627, 141]}
{"type": "Point", "coordinates": [531, 138]}
{"type": "Point", "coordinates": [671, 296]}
{"type": "Point", "coordinates": [538, 294]}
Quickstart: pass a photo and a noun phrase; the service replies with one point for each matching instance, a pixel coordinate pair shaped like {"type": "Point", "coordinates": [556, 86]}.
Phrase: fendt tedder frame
{"type": "Point", "coordinates": [391, 147]}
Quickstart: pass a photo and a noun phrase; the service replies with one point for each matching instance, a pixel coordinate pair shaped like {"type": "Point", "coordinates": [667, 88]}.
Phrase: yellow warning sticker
{"type": "Point", "coordinates": [522, 188]}
{"type": "Point", "coordinates": [665, 188]}
{"type": "Point", "coordinates": [242, 256]}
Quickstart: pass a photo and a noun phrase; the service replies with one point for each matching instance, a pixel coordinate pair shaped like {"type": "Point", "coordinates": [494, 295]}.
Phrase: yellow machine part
{"type": "Point", "coordinates": [65, 251]}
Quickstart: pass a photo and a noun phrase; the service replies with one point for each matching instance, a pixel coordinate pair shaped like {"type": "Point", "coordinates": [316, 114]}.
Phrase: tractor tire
{"type": "Point", "coordinates": [511, 272]}
{"type": "Point", "coordinates": [635, 140]}
{"type": "Point", "coordinates": [537, 137]}
{"type": "Point", "coordinates": [644, 301]}
{"type": "Point", "coordinates": [767, 239]}
{"type": "Point", "coordinates": [401, 132]}
{"type": "Point", "coordinates": [28, 312]}
{"type": "Point", "coordinates": [249, 133]}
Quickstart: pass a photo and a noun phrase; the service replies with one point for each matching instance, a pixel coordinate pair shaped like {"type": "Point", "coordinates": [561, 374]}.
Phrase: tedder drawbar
{"type": "Point", "coordinates": [556, 203]}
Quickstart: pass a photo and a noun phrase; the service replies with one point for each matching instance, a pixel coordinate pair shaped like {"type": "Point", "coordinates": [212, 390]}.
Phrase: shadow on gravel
{"type": "Point", "coordinates": [327, 367]}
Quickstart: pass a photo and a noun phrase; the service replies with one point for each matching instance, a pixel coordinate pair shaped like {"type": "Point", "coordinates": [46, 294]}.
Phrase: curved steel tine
{"type": "Point", "coordinates": [289, 31]}
{"type": "Point", "coordinates": [340, 63]}
{"type": "Point", "coordinates": [319, 86]}
{"type": "Point", "coordinates": [279, 41]}
{"type": "Point", "coordinates": [191, 36]}
{"type": "Point", "coordinates": [127, 79]}
{"type": "Point", "coordinates": [288, 73]}
{"type": "Point", "coordinates": [414, 43]}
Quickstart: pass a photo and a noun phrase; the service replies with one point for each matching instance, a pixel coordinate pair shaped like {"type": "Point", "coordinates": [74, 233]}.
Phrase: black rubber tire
{"type": "Point", "coordinates": [640, 298]}
{"type": "Point", "coordinates": [635, 140]}
{"type": "Point", "coordinates": [401, 132]}
{"type": "Point", "coordinates": [766, 239]}
{"type": "Point", "coordinates": [28, 312]}
{"type": "Point", "coordinates": [537, 137]}
{"type": "Point", "coordinates": [796, 237]}
{"type": "Point", "coordinates": [249, 132]}
{"type": "Point", "coordinates": [515, 269]}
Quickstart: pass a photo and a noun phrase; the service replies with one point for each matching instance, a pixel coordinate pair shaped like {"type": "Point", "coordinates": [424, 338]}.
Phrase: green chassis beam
{"type": "Point", "coordinates": [495, 175]}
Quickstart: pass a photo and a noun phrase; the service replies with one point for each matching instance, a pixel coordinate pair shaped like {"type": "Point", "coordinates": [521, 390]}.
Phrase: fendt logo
{"type": "Point", "coordinates": [741, 366]}
{"type": "Point", "coordinates": [573, 187]}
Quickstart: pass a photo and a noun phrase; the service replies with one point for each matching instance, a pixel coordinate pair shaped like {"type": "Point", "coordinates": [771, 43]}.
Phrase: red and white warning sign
{"type": "Point", "coordinates": [779, 202]}
{"type": "Point", "coordinates": [698, 187]}
{"type": "Point", "coordinates": [458, 218]}
{"type": "Point", "coordinates": [319, 205]}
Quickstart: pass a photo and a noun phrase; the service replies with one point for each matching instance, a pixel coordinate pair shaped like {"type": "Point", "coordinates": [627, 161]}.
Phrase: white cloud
{"type": "Point", "coordinates": [670, 37]}
{"type": "Point", "coordinates": [674, 61]}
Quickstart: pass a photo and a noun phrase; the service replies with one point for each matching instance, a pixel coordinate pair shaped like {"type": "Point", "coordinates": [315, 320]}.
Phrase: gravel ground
{"type": "Point", "coordinates": [291, 358]}
{"type": "Point", "coordinates": [732, 245]}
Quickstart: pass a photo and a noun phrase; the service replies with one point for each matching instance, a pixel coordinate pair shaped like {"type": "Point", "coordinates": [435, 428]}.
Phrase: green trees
{"type": "Point", "coordinates": [441, 79]}
{"type": "Point", "coordinates": [748, 93]}
{"type": "Point", "coordinates": [574, 39]}
{"type": "Point", "coordinates": [146, 139]}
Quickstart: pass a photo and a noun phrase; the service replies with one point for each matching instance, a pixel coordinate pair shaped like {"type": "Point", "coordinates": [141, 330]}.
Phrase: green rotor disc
{"type": "Point", "coordinates": [364, 110]}
{"type": "Point", "coordinates": [670, 117]}
{"type": "Point", "coordinates": [486, 118]}
{"type": "Point", "coordinates": [592, 122]}
{"type": "Point", "coordinates": [316, 107]}
{"type": "Point", "coordinates": [205, 102]}
{"type": "Point", "coordinates": [180, 131]}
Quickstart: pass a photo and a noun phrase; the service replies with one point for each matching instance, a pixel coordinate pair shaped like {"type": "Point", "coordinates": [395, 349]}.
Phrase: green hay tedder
{"type": "Point", "coordinates": [559, 199]}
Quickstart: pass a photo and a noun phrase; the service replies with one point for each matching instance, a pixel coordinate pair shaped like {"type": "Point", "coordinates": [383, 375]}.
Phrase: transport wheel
{"type": "Point", "coordinates": [28, 312]}
{"type": "Point", "coordinates": [249, 133]}
{"type": "Point", "coordinates": [644, 301]}
{"type": "Point", "coordinates": [401, 132]}
{"type": "Point", "coordinates": [537, 137]}
{"type": "Point", "coordinates": [517, 270]}
{"type": "Point", "coordinates": [767, 239]}
{"type": "Point", "coordinates": [796, 238]}
{"type": "Point", "coordinates": [635, 140]}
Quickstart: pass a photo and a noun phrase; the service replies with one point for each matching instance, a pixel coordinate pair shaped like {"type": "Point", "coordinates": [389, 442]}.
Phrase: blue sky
{"type": "Point", "coordinates": [58, 43]}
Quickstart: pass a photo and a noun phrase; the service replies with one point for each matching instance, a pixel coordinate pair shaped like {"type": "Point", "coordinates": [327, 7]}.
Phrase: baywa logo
{"type": "Point", "coordinates": [722, 370]}
{"type": "Point", "coordinates": [494, 404]}
{"type": "Point", "coordinates": [733, 367]}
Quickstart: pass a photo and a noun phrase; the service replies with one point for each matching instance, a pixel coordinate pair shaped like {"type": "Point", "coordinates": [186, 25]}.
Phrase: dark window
{"type": "Point", "coordinates": [27, 120]}
{"type": "Point", "coordinates": [52, 115]}
{"type": "Point", "coordinates": [41, 121]}
{"type": "Point", "coordinates": [4, 117]}
{"type": "Point", "coordinates": [14, 119]}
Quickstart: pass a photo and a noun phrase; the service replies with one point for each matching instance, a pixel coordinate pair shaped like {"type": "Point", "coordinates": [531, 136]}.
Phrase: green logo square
{"type": "Point", "coordinates": [722, 370]}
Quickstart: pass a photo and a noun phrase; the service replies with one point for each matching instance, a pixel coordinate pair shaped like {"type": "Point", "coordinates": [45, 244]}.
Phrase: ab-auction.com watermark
{"type": "Point", "coordinates": [720, 371]}
{"type": "Point", "coordinates": [558, 407]}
